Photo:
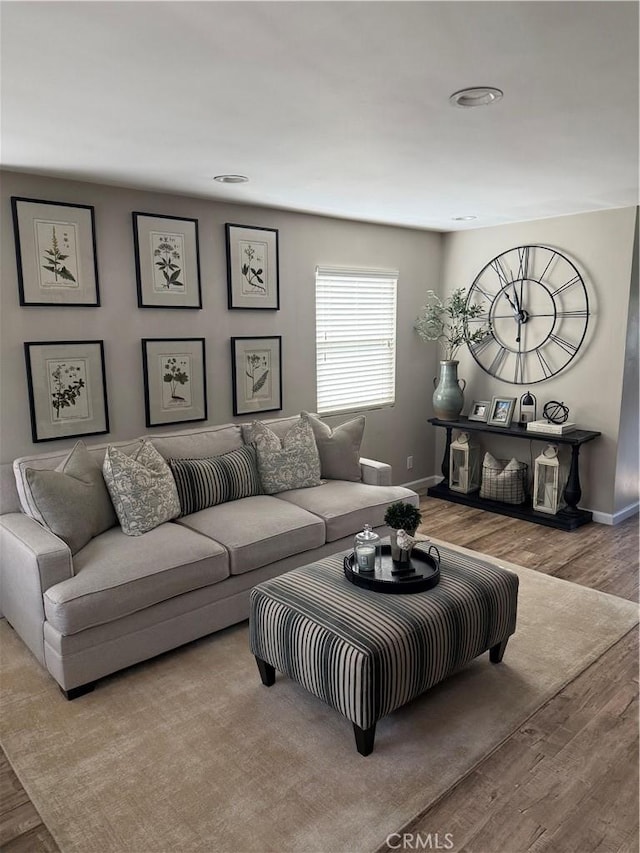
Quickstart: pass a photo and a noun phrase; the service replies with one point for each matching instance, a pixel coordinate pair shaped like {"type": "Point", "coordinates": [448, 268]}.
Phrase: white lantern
{"type": "Point", "coordinates": [549, 481]}
{"type": "Point", "coordinates": [464, 464]}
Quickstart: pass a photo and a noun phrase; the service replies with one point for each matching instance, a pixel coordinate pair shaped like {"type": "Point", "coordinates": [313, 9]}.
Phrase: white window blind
{"type": "Point", "coordinates": [355, 338]}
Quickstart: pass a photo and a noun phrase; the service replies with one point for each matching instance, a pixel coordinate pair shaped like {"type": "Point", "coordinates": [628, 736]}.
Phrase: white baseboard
{"type": "Point", "coordinates": [421, 486]}
{"type": "Point", "coordinates": [617, 517]}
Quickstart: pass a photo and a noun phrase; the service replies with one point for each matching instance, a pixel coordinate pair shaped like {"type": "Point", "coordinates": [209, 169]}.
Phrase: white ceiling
{"type": "Point", "coordinates": [339, 108]}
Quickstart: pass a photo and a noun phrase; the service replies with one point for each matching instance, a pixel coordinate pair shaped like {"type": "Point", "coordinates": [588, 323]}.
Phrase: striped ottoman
{"type": "Point", "coordinates": [367, 653]}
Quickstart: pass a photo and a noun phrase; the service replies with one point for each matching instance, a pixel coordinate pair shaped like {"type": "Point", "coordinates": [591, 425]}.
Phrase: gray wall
{"type": "Point", "coordinates": [601, 244]}
{"type": "Point", "coordinates": [391, 434]}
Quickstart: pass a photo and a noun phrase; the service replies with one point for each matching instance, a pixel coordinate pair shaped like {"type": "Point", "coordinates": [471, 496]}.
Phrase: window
{"type": "Point", "coordinates": [355, 338]}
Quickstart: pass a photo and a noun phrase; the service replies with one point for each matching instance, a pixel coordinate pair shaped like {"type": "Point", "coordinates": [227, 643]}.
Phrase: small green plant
{"type": "Point", "coordinates": [403, 516]}
{"type": "Point", "coordinates": [447, 322]}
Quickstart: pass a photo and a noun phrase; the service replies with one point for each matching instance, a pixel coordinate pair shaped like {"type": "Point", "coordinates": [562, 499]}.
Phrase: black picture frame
{"type": "Point", "coordinates": [56, 253]}
{"type": "Point", "coordinates": [179, 364]}
{"type": "Point", "coordinates": [256, 370]}
{"type": "Point", "coordinates": [67, 388]}
{"type": "Point", "coordinates": [253, 271]}
{"type": "Point", "coordinates": [165, 248]}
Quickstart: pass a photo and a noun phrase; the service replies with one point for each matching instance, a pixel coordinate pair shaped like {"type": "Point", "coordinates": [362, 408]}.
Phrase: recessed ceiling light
{"type": "Point", "coordinates": [231, 179]}
{"type": "Point", "coordinates": [477, 96]}
{"type": "Point", "coordinates": [463, 218]}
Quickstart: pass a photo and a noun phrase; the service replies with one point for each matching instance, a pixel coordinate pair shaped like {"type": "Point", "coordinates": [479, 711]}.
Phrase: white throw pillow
{"type": "Point", "coordinates": [142, 488]}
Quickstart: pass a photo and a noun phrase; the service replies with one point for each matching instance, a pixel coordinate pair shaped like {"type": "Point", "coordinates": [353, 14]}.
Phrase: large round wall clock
{"type": "Point", "coordinates": [536, 307]}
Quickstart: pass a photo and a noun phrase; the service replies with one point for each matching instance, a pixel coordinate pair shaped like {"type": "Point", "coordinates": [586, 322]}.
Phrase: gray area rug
{"type": "Point", "coordinates": [189, 752]}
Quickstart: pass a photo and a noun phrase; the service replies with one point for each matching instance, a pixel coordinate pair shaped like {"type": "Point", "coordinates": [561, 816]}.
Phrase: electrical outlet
{"type": "Point", "coordinates": [409, 463]}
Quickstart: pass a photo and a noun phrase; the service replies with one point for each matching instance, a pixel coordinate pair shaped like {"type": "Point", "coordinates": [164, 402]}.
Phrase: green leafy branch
{"type": "Point", "coordinates": [447, 322]}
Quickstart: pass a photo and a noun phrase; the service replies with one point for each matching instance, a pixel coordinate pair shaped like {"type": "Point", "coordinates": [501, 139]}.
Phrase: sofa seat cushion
{"type": "Point", "coordinates": [116, 575]}
{"type": "Point", "coordinates": [258, 530]}
{"type": "Point", "coordinates": [346, 507]}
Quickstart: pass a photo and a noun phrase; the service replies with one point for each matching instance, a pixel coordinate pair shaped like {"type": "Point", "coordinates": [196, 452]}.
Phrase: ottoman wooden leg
{"type": "Point", "coordinates": [365, 739]}
{"type": "Point", "coordinates": [496, 652]}
{"type": "Point", "coordinates": [267, 672]}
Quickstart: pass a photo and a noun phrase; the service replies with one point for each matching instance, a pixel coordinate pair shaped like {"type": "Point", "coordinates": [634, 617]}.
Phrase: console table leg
{"type": "Point", "coordinates": [446, 457]}
{"type": "Point", "coordinates": [364, 739]}
{"type": "Point", "coordinates": [572, 491]}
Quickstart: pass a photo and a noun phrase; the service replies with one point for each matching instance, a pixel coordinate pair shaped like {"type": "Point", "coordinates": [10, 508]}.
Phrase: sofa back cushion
{"type": "Point", "coordinates": [142, 488]}
{"type": "Point", "coordinates": [199, 443]}
{"type": "Point", "coordinates": [72, 500]}
{"type": "Point", "coordinates": [202, 483]}
{"type": "Point", "coordinates": [290, 462]}
{"type": "Point", "coordinates": [339, 448]}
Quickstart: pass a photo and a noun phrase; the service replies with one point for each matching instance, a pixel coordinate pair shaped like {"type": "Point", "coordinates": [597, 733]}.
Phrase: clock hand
{"type": "Point", "coordinates": [514, 308]}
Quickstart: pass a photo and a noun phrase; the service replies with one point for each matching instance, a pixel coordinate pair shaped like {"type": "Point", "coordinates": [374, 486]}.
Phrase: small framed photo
{"type": "Point", "coordinates": [252, 267]}
{"type": "Point", "coordinates": [501, 411]}
{"type": "Point", "coordinates": [175, 386]}
{"type": "Point", "coordinates": [479, 410]}
{"type": "Point", "coordinates": [167, 256]}
{"type": "Point", "coordinates": [55, 252]}
{"type": "Point", "coordinates": [257, 374]}
{"type": "Point", "coordinates": [67, 389]}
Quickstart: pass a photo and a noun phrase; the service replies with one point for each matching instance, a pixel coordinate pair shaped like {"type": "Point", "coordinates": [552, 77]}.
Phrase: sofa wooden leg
{"type": "Point", "coordinates": [267, 672]}
{"type": "Point", "coordinates": [365, 739]}
{"type": "Point", "coordinates": [496, 652]}
{"type": "Point", "coordinates": [75, 692]}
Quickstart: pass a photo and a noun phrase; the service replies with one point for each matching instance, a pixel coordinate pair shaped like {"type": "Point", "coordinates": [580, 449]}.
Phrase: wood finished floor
{"type": "Point", "coordinates": [567, 780]}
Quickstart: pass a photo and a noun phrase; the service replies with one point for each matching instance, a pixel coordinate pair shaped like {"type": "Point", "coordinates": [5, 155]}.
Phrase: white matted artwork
{"type": "Point", "coordinates": [175, 388]}
{"type": "Point", "coordinates": [167, 261]}
{"type": "Point", "coordinates": [67, 389]}
{"type": "Point", "coordinates": [257, 374]}
{"type": "Point", "coordinates": [55, 252]}
{"type": "Point", "coordinates": [252, 267]}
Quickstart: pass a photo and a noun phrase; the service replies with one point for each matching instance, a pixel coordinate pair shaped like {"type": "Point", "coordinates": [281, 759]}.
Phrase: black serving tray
{"type": "Point", "coordinates": [420, 573]}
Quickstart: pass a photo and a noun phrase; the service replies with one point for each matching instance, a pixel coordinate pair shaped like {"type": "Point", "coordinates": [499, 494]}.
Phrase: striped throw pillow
{"type": "Point", "coordinates": [202, 483]}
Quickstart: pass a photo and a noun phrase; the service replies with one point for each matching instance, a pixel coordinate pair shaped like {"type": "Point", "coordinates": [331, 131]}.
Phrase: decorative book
{"type": "Point", "coordinates": [549, 428]}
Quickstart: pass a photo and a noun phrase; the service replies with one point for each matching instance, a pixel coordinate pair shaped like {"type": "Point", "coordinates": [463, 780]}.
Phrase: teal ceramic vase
{"type": "Point", "coordinates": [448, 397]}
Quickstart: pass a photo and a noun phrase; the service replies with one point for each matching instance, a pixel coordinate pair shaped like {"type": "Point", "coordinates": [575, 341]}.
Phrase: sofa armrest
{"type": "Point", "coordinates": [375, 473]}
{"type": "Point", "coordinates": [31, 560]}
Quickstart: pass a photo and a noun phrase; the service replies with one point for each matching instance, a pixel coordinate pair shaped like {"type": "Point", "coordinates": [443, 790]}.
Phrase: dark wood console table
{"type": "Point", "coordinates": [568, 518]}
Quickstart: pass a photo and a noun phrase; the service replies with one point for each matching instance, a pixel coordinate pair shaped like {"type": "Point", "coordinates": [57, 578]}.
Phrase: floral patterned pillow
{"type": "Point", "coordinates": [290, 463]}
{"type": "Point", "coordinates": [142, 488]}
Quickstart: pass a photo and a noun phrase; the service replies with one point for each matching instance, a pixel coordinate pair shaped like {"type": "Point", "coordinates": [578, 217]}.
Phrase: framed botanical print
{"type": "Point", "coordinates": [175, 385]}
{"type": "Point", "coordinates": [257, 374]}
{"type": "Point", "coordinates": [55, 252]}
{"type": "Point", "coordinates": [252, 267]}
{"type": "Point", "coordinates": [67, 389]}
{"type": "Point", "coordinates": [167, 259]}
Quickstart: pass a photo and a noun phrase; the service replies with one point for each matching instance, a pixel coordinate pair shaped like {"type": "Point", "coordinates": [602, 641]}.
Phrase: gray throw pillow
{"type": "Point", "coordinates": [290, 463]}
{"type": "Point", "coordinates": [339, 448]}
{"type": "Point", "coordinates": [72, 501]}
{"type": "Point", "coordinates": [202, 483]}
{"type": "Point", "coordinates": [142, 488]}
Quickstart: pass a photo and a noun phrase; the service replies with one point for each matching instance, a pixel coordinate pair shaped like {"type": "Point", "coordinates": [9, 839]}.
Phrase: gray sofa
{"type": "Point", "coordinates": [122, 599]}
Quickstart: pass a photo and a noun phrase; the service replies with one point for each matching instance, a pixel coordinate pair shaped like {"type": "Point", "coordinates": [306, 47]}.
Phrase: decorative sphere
{"type": "Point", "coordinates": [556, 413]}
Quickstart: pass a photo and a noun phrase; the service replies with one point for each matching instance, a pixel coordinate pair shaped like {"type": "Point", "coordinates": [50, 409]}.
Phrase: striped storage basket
{"type": "Point", "coordinates": [365, 653]}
